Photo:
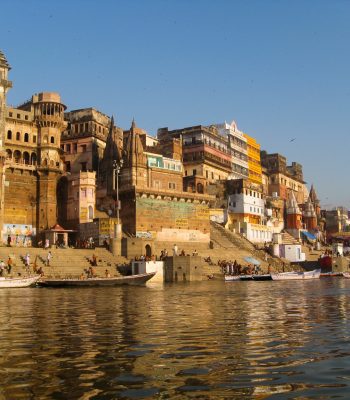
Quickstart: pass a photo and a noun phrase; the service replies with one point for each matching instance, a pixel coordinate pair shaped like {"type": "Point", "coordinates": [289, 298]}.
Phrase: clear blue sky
{"type": "Point", "coordinates": [280, 69]}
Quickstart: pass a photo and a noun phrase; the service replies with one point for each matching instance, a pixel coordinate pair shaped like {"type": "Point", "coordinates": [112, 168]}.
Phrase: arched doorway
{"type": "Point", "coordinates": [148, 249]}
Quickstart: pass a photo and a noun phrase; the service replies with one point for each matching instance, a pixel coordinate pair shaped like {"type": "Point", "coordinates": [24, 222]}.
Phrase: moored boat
{"type": "Point", "coordinates": [139, 279]}
{"type": "Point", "coordinates": [346, 275]}
{"type": "Point", "coordinates": [18, 282]}
{"type": "Point", "coordinates": [236, 278]}
{"type": "Point", "coordinates": [232, 278]}
{"type": "Point", "coordinates": [262, 277]}
{"type": "Point", "coordinates": [294, 275]}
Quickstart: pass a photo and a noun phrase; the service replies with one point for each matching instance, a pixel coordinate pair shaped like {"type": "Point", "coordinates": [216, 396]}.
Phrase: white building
{"type": "Point", "coordinates": [246, 210]}
{"type": "Point", "coordinates": [238, 148]}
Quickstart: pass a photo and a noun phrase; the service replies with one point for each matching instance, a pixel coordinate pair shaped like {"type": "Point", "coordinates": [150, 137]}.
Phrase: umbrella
{"type": "Point", "coordinates": [252, 260]}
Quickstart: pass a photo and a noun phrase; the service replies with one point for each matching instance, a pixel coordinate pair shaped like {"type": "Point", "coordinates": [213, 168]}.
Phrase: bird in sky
{"type": "Point", "coordinates": [292, 140]}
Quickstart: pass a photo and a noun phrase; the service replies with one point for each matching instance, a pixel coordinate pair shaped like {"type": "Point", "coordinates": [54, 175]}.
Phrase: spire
{"type": "Point", "coordinates": [3, 61]}
{"type": "Point", "coordinates": [309, 210]}
{"type": "Point", "coordinates": [292, 204]}
{"type": "Point", "coordinates": [134, 147]}
{"type": "Point", "coordinates": [313, 195]}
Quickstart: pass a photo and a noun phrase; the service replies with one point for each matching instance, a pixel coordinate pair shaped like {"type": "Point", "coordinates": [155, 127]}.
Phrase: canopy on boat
{"type": "Point", "coordinates": [252, 260]}
{"type": "Point", "coordinates": [308, 235]}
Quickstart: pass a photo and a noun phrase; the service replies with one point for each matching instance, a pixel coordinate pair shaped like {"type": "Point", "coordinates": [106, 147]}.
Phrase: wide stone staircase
{"type": "Point", "coordinates": [64, 262]}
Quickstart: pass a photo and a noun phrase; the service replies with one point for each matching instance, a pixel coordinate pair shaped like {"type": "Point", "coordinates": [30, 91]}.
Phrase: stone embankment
{"type": "Point", "coordinates": [225, 245]}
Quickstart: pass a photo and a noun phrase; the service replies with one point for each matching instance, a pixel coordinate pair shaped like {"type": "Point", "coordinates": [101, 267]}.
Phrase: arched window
{"type": "Point", "coordinates": [199, 188]}
{"type": "Point", "coordinates": [17, 155]}
{"type": "Point", "coordinates": [26, 157]}
{"type": "Point", "coordinates": [9, 135]}
{"type": "Point", "coordinates": [52, 139]}
{"type": "Point", "coordinates": [33, 159]}
{"type": "Point", "coordinates": [18, 136]}
{"type": "Point", "coordinates": [26, 137]}
{"type": "Point", "coordinates": [46, 139]}
{"type": "Point", "coordinates": [91, 212]}
{"type": "Point", "coordinates": [8, 153]}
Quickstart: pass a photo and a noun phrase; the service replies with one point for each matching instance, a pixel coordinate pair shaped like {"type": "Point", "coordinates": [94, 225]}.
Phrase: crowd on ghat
{"type": "Point", "coordinates": [234, 268]}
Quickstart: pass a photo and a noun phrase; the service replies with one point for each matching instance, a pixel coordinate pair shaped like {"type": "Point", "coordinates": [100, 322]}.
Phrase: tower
{"type": "Point", "coordinates": [294, 214]}
{"type": "Point", "coordinates": [310, 217]}
{"type": "Point", "coordinates": [49, 118]}
{"type": "Point", "coordinates": [134, 172]}
{"type": "Point", "coordinates": [5, 85]}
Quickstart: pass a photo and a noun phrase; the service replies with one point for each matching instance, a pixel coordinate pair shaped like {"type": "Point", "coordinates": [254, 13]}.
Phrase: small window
{"type": "Point", "coordinates": [26, 137]}
{"type": "Point", "coordinates": [26, 117]}
{"type": "Point", "coordinates": [9, 135]}
{"type": "Point", "coordinates": [83, 166]}
{"type": "Point", "coordinates": [34, 139]}
{"type": "Point", "coordinates": [52, 139]}
{"type": "Point", "coordinates": [19, 116]}
{"type": "Point", "coordinates": [68, 148]}
{"type": "Point", "coordinates": [83, 148]}
{"type": "Point", "coordinates": [18, 136]}
{"type": "Point", "coordinates": [10, 114]}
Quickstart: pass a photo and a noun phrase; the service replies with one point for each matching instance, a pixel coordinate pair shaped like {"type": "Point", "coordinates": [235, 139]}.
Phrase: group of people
{"type": "Point", "coordinates": [85, 243]}
{"type": "Point", "coordinates": [6, 267]}
{"type": "Point", "coordinates": [234, 268]}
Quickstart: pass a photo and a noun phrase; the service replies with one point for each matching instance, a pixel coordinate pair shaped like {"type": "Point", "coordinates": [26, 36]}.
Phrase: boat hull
{"type": "Point", "coordinates": [6, 283]}
{"type": "Point", "coordinates": [89, 282]}
{"type": "Point", "coordinates": [286, 276]}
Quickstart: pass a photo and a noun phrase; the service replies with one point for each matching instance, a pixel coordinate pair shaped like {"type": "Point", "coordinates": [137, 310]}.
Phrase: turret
{"type": "Point", "coordinates": [310, 217]}
{"type": "Point", "coordinates": [5, 85]}
{"type": "Point", "coordinates": [294, 215]}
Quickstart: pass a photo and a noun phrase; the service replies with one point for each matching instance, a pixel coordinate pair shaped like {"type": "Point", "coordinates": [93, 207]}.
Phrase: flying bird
{"type": "Point", "coordinates": [292, 140]}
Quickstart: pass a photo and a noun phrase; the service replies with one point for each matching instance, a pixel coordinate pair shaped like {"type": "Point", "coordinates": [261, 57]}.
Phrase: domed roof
{"type": "Point", "coordinates": [3, 61]}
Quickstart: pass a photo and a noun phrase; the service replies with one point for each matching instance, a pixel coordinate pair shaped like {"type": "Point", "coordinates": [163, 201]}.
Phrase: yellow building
{"type": "Point", "coordinates": [254, 163]}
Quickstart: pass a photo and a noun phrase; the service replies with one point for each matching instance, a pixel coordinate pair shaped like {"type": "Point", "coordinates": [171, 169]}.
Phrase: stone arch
{"type": "Point", "coordinates": [33, 158]}
{"type": "Point", "coordinates": [8, 153]}
{"type": "Point", "coordinates": [17, 155]}
{"type": "Point", "coordinates": [91, 212]}
{"type": "Point", "coordinates": [148, 250]}
{"type": "Point", "coordinates": [26, 157]}
{"type": "Point", "coordinates": [199, 187]}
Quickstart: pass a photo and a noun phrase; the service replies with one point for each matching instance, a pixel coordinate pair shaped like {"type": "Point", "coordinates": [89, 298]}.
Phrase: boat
{"type": "Point", "coordinates": [294, 275]}
{"type": "Point", "coordinates": [139, 279]}
{"type": "Point", "coordinates": [262, 277]}
{"type": "Point", "coordinates": [18, 282]}
{"type": "Point", "coordinates": [346, 275]}
{"type": "Point", "coordinates": [236, 278]}
{"type": "Point", "coordinates": [232, 278]}
{"type": "Point", "coordinates": [331, 274]}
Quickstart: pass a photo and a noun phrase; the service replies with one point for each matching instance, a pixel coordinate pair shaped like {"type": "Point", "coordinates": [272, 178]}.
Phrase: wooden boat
{"type": "Point", "coordinates": [331, 274]}
{"type": "Point", "coordinates": [262, 277]}
{"type": "Point", "coordinates": [139, 279]}
{"type": "Point", "coordinates": [232, 278]}
{"type": "Point", "coordinates": [236, 278]}
{"type": "Point", "coordinates": [18, 282]}
{"type": "Point", "coordinates": [293, 275]}
{"type": "Point", "coordinates": [346, 275]}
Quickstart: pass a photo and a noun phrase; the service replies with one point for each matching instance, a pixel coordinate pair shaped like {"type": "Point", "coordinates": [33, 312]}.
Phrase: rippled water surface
{"type": "Point", "coordinates": [210, 340]}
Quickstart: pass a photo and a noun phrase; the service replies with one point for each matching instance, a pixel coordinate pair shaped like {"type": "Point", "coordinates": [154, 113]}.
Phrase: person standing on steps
{"type": "Point", "coordinates": [175, 250]}
{"type": "Point", "coordinates": [48, 258]}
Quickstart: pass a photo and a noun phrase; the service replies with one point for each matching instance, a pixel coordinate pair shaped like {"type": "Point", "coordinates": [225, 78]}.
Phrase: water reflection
{"type": "Point", "coordinates": [206, 340]}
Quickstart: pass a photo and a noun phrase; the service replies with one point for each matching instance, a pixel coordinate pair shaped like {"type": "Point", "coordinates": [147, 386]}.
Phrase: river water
{"type": "Point", "coordinates": [209, 340]}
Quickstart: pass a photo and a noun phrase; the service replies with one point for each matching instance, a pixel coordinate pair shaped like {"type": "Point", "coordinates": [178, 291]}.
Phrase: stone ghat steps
{"type": "Point", "coordinates": [64, 261]}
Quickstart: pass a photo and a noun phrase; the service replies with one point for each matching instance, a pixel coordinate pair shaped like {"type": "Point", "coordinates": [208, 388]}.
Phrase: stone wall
{"type": "Point", "coordinates": [172, 220]}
